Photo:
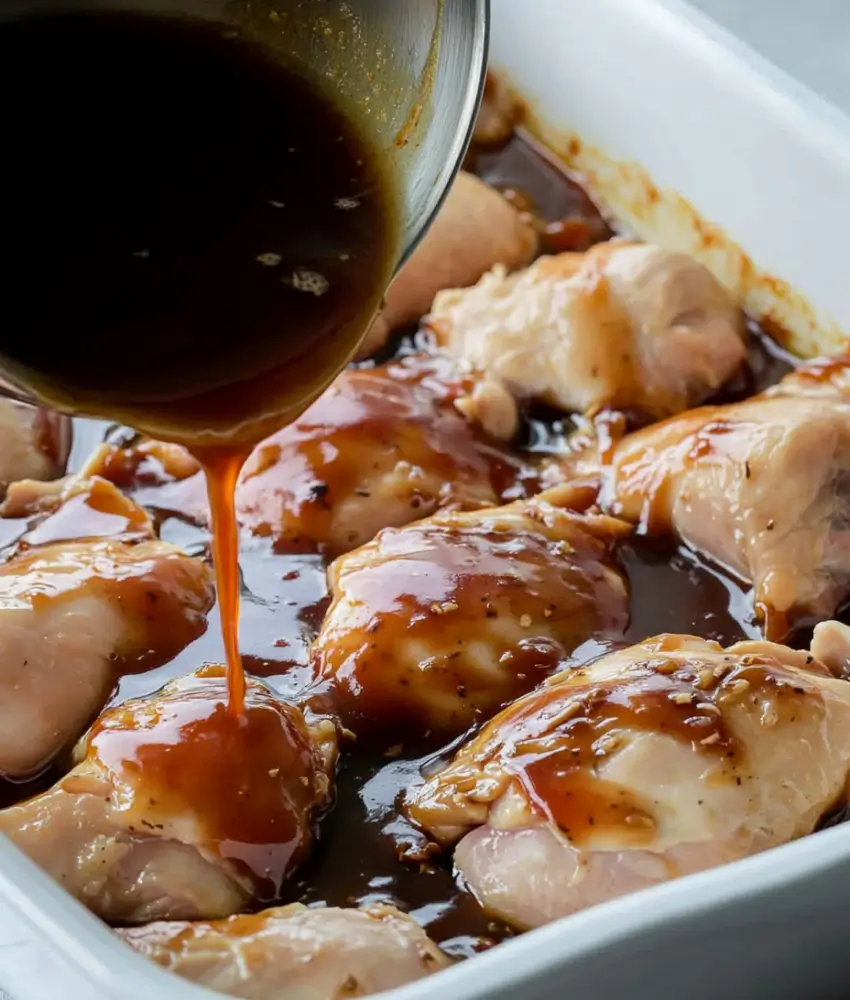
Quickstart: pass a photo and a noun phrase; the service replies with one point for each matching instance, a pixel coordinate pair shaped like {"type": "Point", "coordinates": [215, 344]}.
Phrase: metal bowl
{"type": "Point", "coordinates": [412, 70]}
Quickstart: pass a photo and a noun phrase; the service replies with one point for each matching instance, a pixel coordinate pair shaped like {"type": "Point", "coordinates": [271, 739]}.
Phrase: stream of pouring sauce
{"type": "Point", "coordinates": [222, 469]}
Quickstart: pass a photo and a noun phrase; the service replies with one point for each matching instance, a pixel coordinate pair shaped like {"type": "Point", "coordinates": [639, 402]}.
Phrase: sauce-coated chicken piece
{"type": "Point", "coordinates": [624, 326]}
{"type": "Point", "coordinates": [157, 474]}
{"type": "Point", "coordinates": [73, 509]}
{"type": "Point", "coordinates": [34, 443]}
{"type": "Point", "coordinates": [180, 809]}
{"type": "Point", "coordinates": [661, 760]}
{"type": "Point", "coordinates": [440, 623]}
{"type": "Point", "coordinates": [74, 614]}
{"type": "Point", "coordinates": [381, 447]}
{"type": "Point", "coordinates": [142, 462]}
{"type": "Point", "coordinates": [762, 487]}
{"type": "Point", "coordinates": [475, 229]}
{"type": "Point", "coordinates": [295, 953]}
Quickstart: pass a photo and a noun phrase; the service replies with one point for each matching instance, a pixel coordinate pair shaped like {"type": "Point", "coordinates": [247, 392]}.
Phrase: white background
{"type": "Point", "coordinates": [808, 38]}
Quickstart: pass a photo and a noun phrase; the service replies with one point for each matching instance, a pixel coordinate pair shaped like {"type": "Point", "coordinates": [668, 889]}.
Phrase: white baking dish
{"type": "Point", "coordinates": [654, 84]}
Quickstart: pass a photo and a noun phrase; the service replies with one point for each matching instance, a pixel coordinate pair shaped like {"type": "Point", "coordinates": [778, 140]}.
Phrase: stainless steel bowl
{"type": "Point", "coordinates": [415, 68]}
{"type": "Point", "coordinates": [412, 69]}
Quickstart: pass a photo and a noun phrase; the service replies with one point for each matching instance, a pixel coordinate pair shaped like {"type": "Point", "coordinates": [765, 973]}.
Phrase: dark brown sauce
{"type": "Point", "coordinates": [215, 242]}
{"type": "Point", "coordinates": [531, 179]}
{"type": "Point", "coordinates": [357, 858]}
{"type": "Point", "coordinates": [284, 597]}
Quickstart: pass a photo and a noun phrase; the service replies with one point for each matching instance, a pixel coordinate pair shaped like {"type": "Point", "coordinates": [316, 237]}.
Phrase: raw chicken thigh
{"type": "Point", "coordinates": [71, 509]}
{"type": "Point", "coordinates": [475, 229]}
{"type": "Point", "coordinates": [763, 487]}
{"type": "Point", "coordinates": [73, 614]}
{"type": "Point", "coordinates": [625, 326]}
{"type": "Point", "coordinates": [34, 443]}
{"type": "Point", "coordinates": [437, 624]}
{"type": "Point", "coordinates": [657, 761]}
{"type": "Point", "coordinates": [295, 953]}
{"type": "Point", "coordinates": [180, 809]}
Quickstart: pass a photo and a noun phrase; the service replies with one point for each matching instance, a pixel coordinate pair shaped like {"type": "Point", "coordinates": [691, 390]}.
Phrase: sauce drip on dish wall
{"type": "Point", "coordinates": [284, 598]}
{"type": "Point", "coordinates": [210, 256]}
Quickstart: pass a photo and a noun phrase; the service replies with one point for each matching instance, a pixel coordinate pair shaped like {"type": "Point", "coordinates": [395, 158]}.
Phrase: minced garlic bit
{"type": "Point", "coordinates": [309, 281]}
{"type": "Point", "coordinates": [736, 688]}
{"type": "Point", "coordinates": [705, 679]}
{"type": "Point", "coordinates": [269, 259]}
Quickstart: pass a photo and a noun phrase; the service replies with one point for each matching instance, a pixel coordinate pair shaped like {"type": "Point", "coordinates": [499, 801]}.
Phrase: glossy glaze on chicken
{"type": "Point", "coordinates": [513, 593]}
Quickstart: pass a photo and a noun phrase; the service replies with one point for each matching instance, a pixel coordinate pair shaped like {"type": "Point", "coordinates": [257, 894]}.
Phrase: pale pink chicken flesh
{"type": "Point", "coordinates": [624, 326]}
{"type": "Point", "coordinates": [762, 487]}
{"type": "Point", "coordinates": [475, 229]}
{"type": "Point", "coordinates": [294, 952]}
{"type": "Point", "coordinates": [179, 808]}
{"type": "Point", "coordinates": [75, 613]}
{"type": "Point", "coordinates": [438, 624]}
{"type": "Point", "coordinates": [664, 759]}
{"type": "Point", "coordinates": [34, 443]}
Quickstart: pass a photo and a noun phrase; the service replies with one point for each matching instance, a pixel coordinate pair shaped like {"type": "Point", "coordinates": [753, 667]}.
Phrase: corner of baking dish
{"type": "Point", "coordinates": [680, 107]}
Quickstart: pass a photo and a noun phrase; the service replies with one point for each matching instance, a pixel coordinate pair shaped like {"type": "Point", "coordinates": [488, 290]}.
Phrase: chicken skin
{"type": "Point", "coordinates": [295, 953]}
{"type": "Point", "coordinates": [654, 762]}
{"type": "Point", "coordinates": [74, 614]}
{"type": "Point", "coordinates": [759, 486]}
{"type": "Point", "coordinates": [437, 624]}
{"type": "Point", "coordinates": [34, 443]}
{"type": "Point", "coordinates": [624, 326]}
{"type": "Point", "coordinates": [180, 809]}
{"type": "Point", "coordinates": [475, 229]}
